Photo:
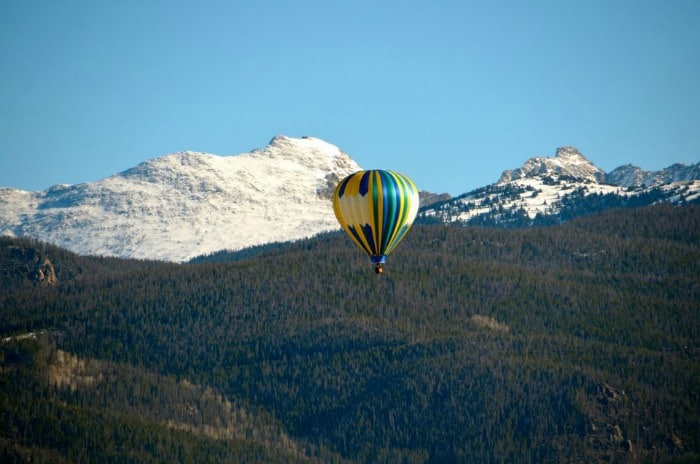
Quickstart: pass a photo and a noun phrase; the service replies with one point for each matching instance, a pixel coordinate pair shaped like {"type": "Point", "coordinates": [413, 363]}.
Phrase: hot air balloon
{"type": "Point", "coordinates": [376, 208]}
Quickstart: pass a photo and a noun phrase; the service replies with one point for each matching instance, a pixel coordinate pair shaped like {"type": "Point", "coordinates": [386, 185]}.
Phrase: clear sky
{"type": "Point", "coordinates": [450, 93]}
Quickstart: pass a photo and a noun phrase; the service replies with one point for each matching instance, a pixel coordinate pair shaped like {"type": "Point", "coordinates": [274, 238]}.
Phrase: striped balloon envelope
{"type": "Point", "coordinates": [376, 208]}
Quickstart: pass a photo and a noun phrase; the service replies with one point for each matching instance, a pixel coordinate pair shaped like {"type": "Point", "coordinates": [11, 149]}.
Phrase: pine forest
{"type": "Point", "coordinates": [571, 343]}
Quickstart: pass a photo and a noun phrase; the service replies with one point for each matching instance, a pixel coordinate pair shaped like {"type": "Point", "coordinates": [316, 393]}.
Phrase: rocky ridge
{"type": "Point", "coordinates": [550, 190]}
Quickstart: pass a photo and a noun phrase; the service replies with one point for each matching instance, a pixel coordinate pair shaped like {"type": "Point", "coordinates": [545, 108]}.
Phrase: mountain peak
{"type": "Point", "coordinates": [310, 152]}
{"type": "Point", "coordinates": [568, 161]}
{"type": "Point", "coordinates": [189, 203]}
{"type": "Point", "coordinates": [294, 146]}
{"type": "Point", "coordinates": [569, 153]}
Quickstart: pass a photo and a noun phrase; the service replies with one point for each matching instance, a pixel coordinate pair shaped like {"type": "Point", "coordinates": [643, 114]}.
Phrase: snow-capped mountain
{"type": "Point", "coordinates": [187, 204]}
{"type": "Point", "coordinates": [567, 162]}
{"type": "Point", "coordinates": [548, 190]}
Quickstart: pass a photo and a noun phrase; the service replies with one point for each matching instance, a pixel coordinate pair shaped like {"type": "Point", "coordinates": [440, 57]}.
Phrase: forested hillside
{"type": "Point", "coordinates": [571, 343]}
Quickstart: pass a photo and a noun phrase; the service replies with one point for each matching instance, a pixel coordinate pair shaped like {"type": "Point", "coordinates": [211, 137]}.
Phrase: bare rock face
{"type": "Point", "coordinates": [45, 273]}
{"type": "Point", "coordinates": [608, 394]}
{"type": "Point", "coordinates": [634, 176]}
{"type": "Point", "coordinates": [675, 442]}
{"type": "Point", "coordinates": [568, 161]}
{"type": "Point", "coordinates": [616, 434]}
{"type": "Point", "coordinates": [428, 198]}
{"type": "Point", "coordinates": [628, 446]}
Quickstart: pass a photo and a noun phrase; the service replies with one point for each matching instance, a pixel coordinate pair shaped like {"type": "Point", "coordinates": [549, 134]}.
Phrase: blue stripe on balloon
{"type": "Point", "coordinates": [364, 183]}
{"type": "Point", "coordinates": [367, 230]}
{"type": "Point", "coordinates": [341, 187]}
{"type": "Point", "coordinates": [358, 239]}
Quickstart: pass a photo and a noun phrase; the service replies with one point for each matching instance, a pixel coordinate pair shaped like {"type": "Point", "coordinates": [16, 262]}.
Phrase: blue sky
{"type": "Point", "coordinates": [450, 93]}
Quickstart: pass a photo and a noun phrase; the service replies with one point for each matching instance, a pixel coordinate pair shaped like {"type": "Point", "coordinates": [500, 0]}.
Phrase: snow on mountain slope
{"type": "Point", "coordinates": [187, 204]}
{"type": "Point", "coordinates": [549, 190]}
{"type": "Point", "coordinates": [568, 161]}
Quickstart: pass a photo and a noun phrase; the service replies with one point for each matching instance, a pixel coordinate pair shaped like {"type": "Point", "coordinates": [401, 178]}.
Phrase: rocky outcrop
{"type": "Point", "coordinates": [568, 162]}
{"type": "Point", "coordinates": [45, 273]}
{"type": "Point", "coordinates": [428, 198]}
{"type": "Point", "coordinates": [634, 176]}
